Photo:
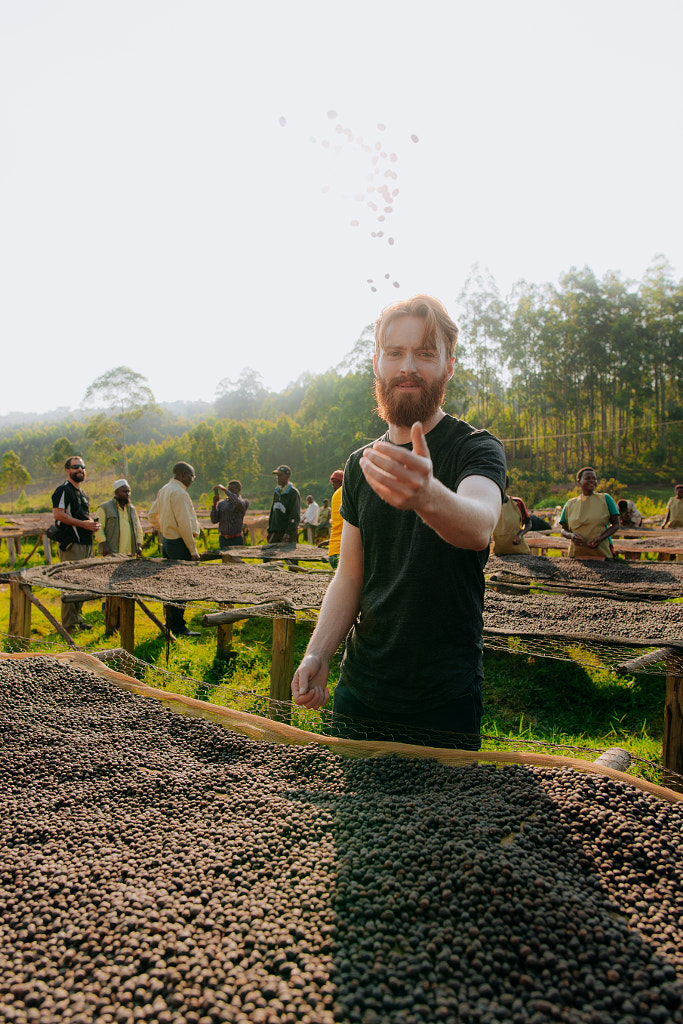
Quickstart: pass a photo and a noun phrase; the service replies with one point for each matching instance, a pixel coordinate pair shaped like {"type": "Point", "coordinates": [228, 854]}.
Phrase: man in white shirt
{"type": "Point", "coordinates": [174, 517]}
{"type": "Point", "coordinates": [309, 519]}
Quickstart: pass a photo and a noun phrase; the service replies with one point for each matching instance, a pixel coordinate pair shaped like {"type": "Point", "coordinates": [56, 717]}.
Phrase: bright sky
{"type": "Point", "coordinates": [176, 196]}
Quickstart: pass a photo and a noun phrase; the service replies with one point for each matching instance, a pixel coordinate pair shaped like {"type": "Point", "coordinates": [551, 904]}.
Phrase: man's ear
{"type": "Point", "coordinates": [374, 364]}
{"type": "Point", "coordinates": [451, 368]}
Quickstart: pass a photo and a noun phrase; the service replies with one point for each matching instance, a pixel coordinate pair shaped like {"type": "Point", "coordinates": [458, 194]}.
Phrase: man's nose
{"type": "Point", "coordinates": [408, 364]}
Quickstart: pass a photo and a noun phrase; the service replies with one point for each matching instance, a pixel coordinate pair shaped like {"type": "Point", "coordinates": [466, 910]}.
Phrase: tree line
{"type": "Point", "coordinates": [585, 371]}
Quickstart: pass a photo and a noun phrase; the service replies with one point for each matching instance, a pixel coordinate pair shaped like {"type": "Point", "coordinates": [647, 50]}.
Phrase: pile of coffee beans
{"type": "Point", "coordinates": [562, 614]}
{"type": "Point", "coordinates": [161, 868]}
{"type": "Point", "coordinates": [184, 581]}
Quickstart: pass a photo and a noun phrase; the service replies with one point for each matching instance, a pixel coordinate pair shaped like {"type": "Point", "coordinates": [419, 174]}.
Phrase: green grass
{"type": "Point", "coordinates": [535, 699]}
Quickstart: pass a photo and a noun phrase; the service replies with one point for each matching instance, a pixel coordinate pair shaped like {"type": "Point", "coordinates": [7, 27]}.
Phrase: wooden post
{"type": "Point", "coordinates": [112, 615]}
{"type": "Point", "coordinates": [672, 746]}
{"type": "Point", "coordinates": [281, 669]}
{"type": "Point", "coordinates": [19, 614]}
{"type": "Point", "coordinates": [224, 637]}
{"type": "Point", "coordinates": [127, 623]}
{"type": "Point", "coordinates": [12, 551]}
{"type": "Point", "coordinates": [47, 548]}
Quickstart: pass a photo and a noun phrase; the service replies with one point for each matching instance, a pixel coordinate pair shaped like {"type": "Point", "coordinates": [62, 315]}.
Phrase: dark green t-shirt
{"type": "Point", "coordinates": [419, 634]}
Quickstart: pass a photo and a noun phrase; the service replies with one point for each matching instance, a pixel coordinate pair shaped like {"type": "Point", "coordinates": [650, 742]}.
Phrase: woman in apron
{"type": "Point", "coordinates": [514, 522]}
{"type": "Point", "coordinates": [589, 520]}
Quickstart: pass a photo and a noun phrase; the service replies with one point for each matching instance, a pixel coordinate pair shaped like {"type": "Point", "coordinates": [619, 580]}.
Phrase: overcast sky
{"type": "Point", "coordinates": [186, 185]}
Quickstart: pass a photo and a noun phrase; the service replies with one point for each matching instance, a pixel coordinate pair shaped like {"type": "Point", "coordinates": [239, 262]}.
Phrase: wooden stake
{"type": "Point", "coordinates": [150, 615]}
{"type": "Point", "coordinates": [127, 624]}
{"type": "Point", "coordinates": [672, 745]}
{"type": "Point", "coordinates": [112, 615]}
{"type": "Point", "coordinates": [19, 611]}
{"type": "Point", "coordinates": [224, 638]}
{"type": "Point", "coordinates": [281, 669]}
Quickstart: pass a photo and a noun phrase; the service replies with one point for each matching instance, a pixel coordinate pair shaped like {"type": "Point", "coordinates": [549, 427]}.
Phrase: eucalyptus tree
{"type": "Point", "coordinates": [126, 395]}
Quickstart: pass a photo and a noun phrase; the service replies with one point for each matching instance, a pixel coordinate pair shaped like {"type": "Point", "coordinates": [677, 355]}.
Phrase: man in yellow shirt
{"type": "Point", "coordinates": [174, 517]}
{"type": "Point", "coordinates": [336, 521]}
{"type": "Point", "coordinates": [119, 531]}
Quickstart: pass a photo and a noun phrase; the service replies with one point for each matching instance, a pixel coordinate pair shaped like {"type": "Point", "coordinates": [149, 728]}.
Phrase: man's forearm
{"type": "Point", "coordinates": [337, 615]}
{"type": "Point", "coordinates": [460, 520]}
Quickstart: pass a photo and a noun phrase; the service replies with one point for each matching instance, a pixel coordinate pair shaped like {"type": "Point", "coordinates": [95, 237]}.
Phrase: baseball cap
{"type": "Point", "coordinates": [337, 476]}
{"type": "Point", "coordinates": [283, 469]}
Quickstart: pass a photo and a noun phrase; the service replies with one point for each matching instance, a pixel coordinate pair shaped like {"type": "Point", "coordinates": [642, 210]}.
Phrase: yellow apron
{"type": "Point", "coordinates": [508, 526]}
{"type": "Point", "coordinates": [675, 507]}
{"type": "Point", "coordinates": [588, 516]}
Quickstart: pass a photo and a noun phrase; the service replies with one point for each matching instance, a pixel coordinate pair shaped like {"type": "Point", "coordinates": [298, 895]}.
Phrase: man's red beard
{"type": "Point", "coordinates": [402, 409]}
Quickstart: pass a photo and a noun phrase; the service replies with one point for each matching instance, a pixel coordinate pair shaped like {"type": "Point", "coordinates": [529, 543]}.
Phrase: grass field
{"type": "Point", "coordinates": [528, 700]}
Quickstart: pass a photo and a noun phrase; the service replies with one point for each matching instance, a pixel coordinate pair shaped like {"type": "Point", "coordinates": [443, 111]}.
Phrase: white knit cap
{"type": "Point", "coordinates": [120, 483]}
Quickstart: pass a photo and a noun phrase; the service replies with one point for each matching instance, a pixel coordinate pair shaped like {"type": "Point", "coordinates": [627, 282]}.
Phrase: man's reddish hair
{"type": "Point", "coordinates": [438, 324]}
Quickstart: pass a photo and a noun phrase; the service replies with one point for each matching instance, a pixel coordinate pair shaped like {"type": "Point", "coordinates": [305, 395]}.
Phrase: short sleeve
{"type": "Point", "coordinates": [611, 505]}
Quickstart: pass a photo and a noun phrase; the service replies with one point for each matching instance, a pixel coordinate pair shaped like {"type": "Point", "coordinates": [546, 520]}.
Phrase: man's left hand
{"type": "Point", "coordinates": [400, 477]}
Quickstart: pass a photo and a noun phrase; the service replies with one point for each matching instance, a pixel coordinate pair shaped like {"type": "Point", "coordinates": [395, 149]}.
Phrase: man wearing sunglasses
{"type": "Point", "coordinates": [76, 529]}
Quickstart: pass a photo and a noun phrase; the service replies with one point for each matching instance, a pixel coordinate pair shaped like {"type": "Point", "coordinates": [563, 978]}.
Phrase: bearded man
{"type": "Point", "coordinates": [419, 507]}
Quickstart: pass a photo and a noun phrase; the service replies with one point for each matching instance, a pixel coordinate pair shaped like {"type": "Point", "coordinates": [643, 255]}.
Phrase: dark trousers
{"type": "Point", "coordinates": [175, 613]}
{"type": "Point", "coordinates": [72, 616]}
{"type": "Point", "coordinates": [454, 725]}
{"type": "Point", "coordinates": [282, 538]}
{"type": "Point", "coordinates": [230, 542]}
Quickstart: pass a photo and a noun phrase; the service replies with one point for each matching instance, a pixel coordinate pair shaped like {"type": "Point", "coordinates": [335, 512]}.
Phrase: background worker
{"type": "Point", "coordinates": [629, 516]}
{"type": "Point", "coordinates": [173, 515]}
{"type": "Point", "coordinates": [76, 528]}
{"type": "Point", "coordinates": [309, 519]}
{"type": "Point", "coordinates": [323, 528]}
{"type": "Point", "coordinates": [285, 510]}
{"type": "Point", "coordinates": [514, 522]}
{"type": "Point", "coordinates": [120, 532]}
{"type": "Point", "coordinates": [589, 520]}
{"type": "Point", "coordinates": [674, 510]}
{"type": "Point", "coordinates": [229, 514]}
{"type": "Point", "coordinates": [336, 521]}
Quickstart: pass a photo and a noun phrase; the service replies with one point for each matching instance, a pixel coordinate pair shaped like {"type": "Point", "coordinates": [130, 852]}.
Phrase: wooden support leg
{"type": "Point", "coordinates": [281, 669]}
{"type": "Point", "coordinates": [19, 614]}
{"type": "Point", "coordinates": [127, 623]}
{"type": "Point", "coordinates": [47, 548]}
{"type": "Point", "coordinates": [12, 551]}
{"type": "Point", "coordinates": [672, 747]}
{"type": "Point", "coordinates": [112, 615]}
{"type": "Point", "coordinates": [224, 638]}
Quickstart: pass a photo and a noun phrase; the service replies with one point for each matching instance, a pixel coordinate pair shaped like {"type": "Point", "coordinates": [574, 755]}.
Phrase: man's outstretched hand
{"type": "Point", "coordinates": [400, 477]}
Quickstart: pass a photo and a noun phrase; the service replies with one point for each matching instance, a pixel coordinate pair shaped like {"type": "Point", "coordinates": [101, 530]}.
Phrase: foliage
{"type": "Point", "coordinates": [585, 371]}
{"type": "Point", "coordinates": [62, 449]}
{"type": "Point", "coordinates": [105, 447]}
{"type": "Point", "coordinates": [13, 475]}
{"type": "Point", "coordinates": [126, 394]}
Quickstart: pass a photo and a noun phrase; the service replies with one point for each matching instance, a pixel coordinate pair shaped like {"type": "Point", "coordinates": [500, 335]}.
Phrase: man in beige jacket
{"type": "Point", "coordinates": [173, 516]}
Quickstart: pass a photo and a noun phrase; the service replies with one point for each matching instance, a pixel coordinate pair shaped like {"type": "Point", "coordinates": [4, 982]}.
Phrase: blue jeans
{"type": "Point", "coordinates": [454, 725]}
